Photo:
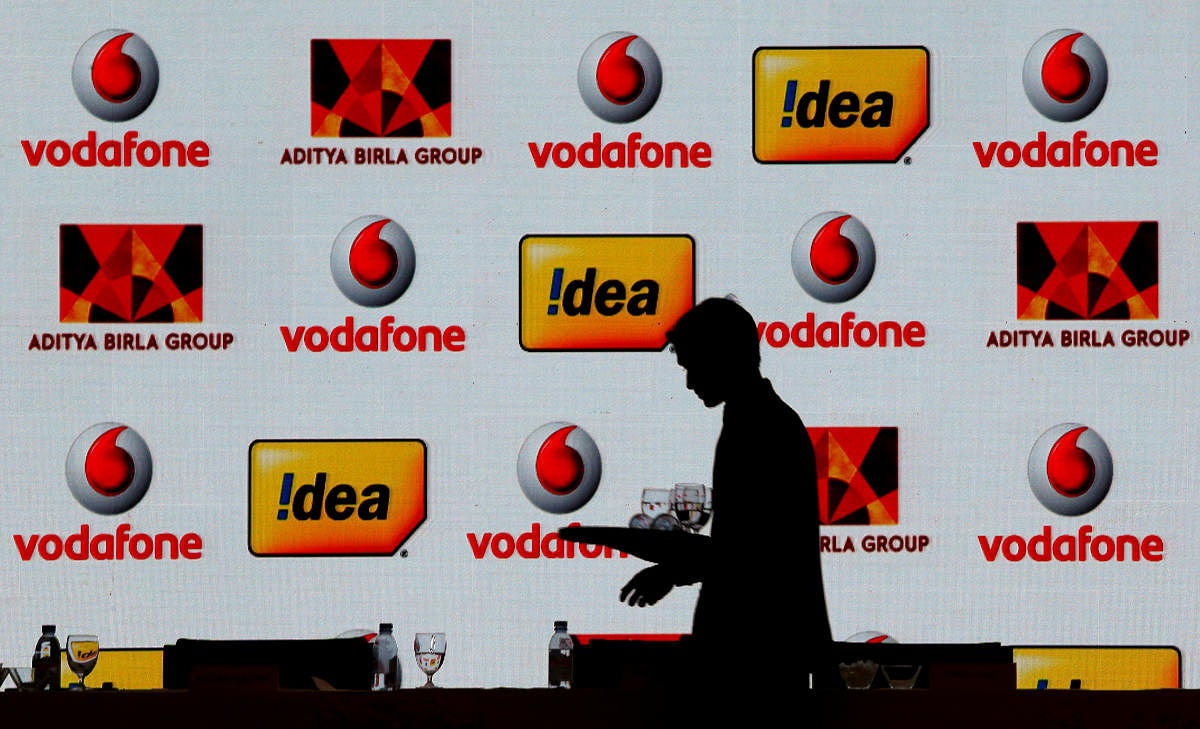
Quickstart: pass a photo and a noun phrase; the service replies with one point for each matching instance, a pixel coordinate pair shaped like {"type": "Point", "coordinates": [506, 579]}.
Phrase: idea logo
{"type": "Point", "coordinates": [335, 497]}
{"type": "Point", "coordinates": [109, 468]}
{"type": "Point", "coordinates": [115, 75]}
{"type": "Point", "coordinates": [839, 104]}
{"type": "Point", "coordinates": [372, 260]}
{"type": "Point", "coordinates": [620, 77]}
{"type": "Point", "coordinates": [603, 292]}
{"type": "Point", "coordinates": [1065, 75]}
{"type": "Point", "coordinates": [1098, 668]}
{"type": "Point", "coordinates": [558, 467]}
{"type": "Point", "coordinates": [833, 257]}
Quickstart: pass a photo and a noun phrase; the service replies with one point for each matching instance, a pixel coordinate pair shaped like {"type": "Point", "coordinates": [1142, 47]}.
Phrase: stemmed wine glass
{"type": "Point", "coordinates": [656, 511]}
{"type": "Point", "coordinates": [692, 504]}
{"type": "Point", "coordinates": [430, 649]}
{"type": "Point", "coordinates": [82, 652]}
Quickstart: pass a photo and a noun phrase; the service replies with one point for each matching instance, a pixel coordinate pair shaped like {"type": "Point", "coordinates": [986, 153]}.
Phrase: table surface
{"type": "Point", "coordinates": [624, 708]}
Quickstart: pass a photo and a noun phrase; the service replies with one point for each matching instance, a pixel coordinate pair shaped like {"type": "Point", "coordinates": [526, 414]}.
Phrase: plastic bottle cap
{"type": "Point", "coordinates": [385, 627]}
{"type": "Point", "coordinates": [560, 625]}
{"type": "Point", "coordinates": [47, 628]}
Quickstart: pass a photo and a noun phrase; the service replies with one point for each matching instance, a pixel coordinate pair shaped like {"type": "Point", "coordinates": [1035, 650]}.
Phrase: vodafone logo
{"type": "Point", "coordinates": [372, 261]}
{"type": "Point", "coordinates": [619, 77]}
{"type": "Point", "coordinates": [115, 75]}
{"type": "Point", "coordinates": [1070, 469]}
{"type": "Point", "coordinates": [871, 636]}
{"type": "Point", "coordinates": [108, 472]}
{"type": "Point", "coordinates": [109, 468]}
{"type": "Point", "coordinates": [1065, 75]}
{"type": "Point", "coordinates": [558, 467]}
{"type": "Point", "coordinates": [833, 257]}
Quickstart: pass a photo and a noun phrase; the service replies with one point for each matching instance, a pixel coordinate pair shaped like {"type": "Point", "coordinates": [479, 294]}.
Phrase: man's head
{"type": "Point", "coordinates": [717, 343]}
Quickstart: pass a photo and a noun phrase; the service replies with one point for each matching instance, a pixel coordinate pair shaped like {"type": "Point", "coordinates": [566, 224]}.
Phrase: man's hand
{"type": "Point", "coordinates": [648, 586]}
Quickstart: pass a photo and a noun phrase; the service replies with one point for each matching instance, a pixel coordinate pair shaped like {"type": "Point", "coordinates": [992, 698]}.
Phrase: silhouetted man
{"type": "Point", "coordinates": [761, 593]}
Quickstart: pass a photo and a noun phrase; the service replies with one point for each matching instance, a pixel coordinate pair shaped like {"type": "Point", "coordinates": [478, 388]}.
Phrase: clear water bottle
{"type": "Point", "coordinates": [387, 660]}
{"type": "Point", "coordinates": [562, 656]}
{"type": "Point", "coordinates": [46, 661]}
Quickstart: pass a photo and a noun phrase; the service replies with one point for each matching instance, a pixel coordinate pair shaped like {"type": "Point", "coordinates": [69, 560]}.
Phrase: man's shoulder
{"type": "Point", "coordinates": [767, 420]}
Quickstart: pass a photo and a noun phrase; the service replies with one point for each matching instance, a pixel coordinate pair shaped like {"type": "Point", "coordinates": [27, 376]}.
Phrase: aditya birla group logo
{"type": "Point", "coordinates": [144, 274]}
{"type": "Point", "coordinates": [558, 467]}
{"type": "Point", "coordinates": [858, 485]}
{"type": "Point", "coordinates": [1090, 273]}
{"type": "Point", "coordinates": [109, 468]}
{"type": "Point", "coordinates": [131, 273]}
{"type": "Point", "coordinates": [149, 274]}
{"type": "Point", "coordinates": [372, 260]}
{"type": "Point", "coordinates": [1087, 270]}
{"type": "Point", "coordinates": [380, 87]}
{"type": "Point", "coordinates": [1065, 75]}
{"type": "Point", "coordinates": [857, 475]}
{"type": "Point", "coordinates": [833, 257]}
{"type": "Point", "coordinates": [620, 77]}
{"type": "Point", "coordinates": [115, 75]}
{"type": "Point", "coordinates": [1070, 469]}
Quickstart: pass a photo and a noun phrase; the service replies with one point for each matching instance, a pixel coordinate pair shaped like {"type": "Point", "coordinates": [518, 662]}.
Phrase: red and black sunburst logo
{"type": "Point", "coordinates": [380, 88]}
{"type": "Point", "coordinates": [857, 480]}
{"type": "Point", "coordinates": [131, 273]}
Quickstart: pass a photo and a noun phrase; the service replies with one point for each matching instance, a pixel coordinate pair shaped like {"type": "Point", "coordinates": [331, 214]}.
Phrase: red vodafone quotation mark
{"type": "Point", "coordinates": [619, 77]}
{"type": "Point", "coordinates": [833, 257]}
{"type": "Point", "coordinates": [1065, 75]}
{"type": "Point", "coordinates": [558, 467]}
{"type": "Point", "coordinates": [1070, 469]}
{"type": "Point", "coordinates": [115, 75]}
{"type": "Point", "coordinates": [372, 260]}
{"type": "Point", "coordinates": [109, 468]}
